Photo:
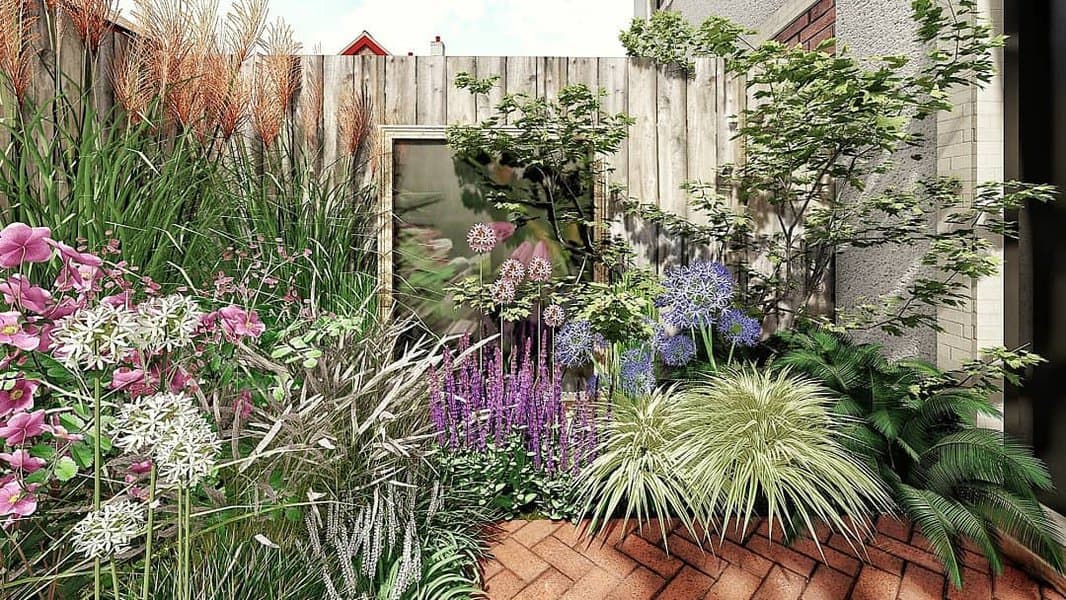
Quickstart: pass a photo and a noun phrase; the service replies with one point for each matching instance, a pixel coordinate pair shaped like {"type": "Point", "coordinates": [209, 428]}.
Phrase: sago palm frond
{"type": "Point", "coordinates": [955, 481]}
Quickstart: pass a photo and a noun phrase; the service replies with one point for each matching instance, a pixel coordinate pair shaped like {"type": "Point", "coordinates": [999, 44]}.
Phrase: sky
{"type": "Point", "coordinates": [467, 27]}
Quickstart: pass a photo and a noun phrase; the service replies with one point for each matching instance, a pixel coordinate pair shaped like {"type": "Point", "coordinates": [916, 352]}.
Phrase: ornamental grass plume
{"type": "Point", "coordinates": [355, 121]}
{"type": "Point", "coordinates": [18, 45]}
{"type": "Point", "coordinates": [92, 20]}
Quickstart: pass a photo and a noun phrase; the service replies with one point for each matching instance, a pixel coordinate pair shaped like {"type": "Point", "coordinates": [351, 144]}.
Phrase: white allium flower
{"type": "Point", "coordinates": [167, 322]}
{"type": "Point", "coordinates": [187, 454]}
{"type": "Point", "coordinates": [142, 424]}
{"type": "Point", "coordinates": [94, 337]}
{"type": "Point", "coordinates": [108, 531]}
{"type": "Point", "coordinates": [169, 428]}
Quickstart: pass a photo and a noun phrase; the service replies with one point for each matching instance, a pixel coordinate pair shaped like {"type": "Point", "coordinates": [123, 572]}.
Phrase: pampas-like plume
{"type": "Point", "coordinates": [354, 119]}
{"type": "Point", "coordinates": [92, 20]}
{"type": "Point", "coordinates": [131, 80]}
{"type": "Point", "coordinates": [244, 27]}
{"type": "Point", "coordinates": [18, 36]}
{"type": "Point", "coordinates": [277, 81]}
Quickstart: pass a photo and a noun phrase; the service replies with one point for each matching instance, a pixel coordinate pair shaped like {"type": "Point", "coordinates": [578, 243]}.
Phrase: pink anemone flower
{"type": "Point", "coordinates": [21, 460]}
{"type": "Point", "coordinates": [19, 292]}
{"type": "Point", "coordinates": [238, 323]}
{"type": "Point", "coordinates": [12, 334]}
{"type": "Point", "coordinates": [16, 500]}
{"type": "Point", "coordinates": [22, 427]}
{"type": "Point", "coordinates": [19, 398]}
{"type": "Point", "coordinates": [20, 243]}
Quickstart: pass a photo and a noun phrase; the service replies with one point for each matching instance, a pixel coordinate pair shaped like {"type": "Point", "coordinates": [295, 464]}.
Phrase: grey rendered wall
{"type": "Point", "coordinates": [867, 28]}
{"type": "Point", "coordinates": [751, 13]}
{"type": "Point", "coordinates": [863, 28]}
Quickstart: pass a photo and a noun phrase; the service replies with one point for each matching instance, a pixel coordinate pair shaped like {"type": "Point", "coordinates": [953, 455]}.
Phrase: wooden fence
{"type": "Point", "coordinates": [682, 128]}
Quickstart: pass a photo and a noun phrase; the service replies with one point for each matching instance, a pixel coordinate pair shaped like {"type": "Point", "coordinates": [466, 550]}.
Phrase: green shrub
{"type": "Point", "coordinates": [916, 427]}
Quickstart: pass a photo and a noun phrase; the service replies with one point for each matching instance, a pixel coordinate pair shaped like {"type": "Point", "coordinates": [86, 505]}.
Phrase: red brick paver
{"type": "Point", "coordinates": [548, 560]}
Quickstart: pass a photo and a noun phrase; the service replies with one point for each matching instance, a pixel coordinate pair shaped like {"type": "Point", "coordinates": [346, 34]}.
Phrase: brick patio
{"type": "Point", "coordinates": [544, 560]}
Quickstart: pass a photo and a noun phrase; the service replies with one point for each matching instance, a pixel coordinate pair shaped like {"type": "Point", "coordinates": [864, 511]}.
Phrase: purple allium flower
{"type": "Point", "coordinates": [738, 328]}
{"type": "Point", "coordinates": [503, 291]}
{"type": "Point", "coordinates": [554, 316]}
{"type": "Point", "coordinates": [481, 238]}
{"type": "Point", "coordinates": [540, 266]}
{"type": "Point", "coordinates": [695, 294]}
{"type": "Point", "coordinates": [675, 350]}
{"type": "Point", "coordinates": [638, 374]}
{"type": "Point", "coordinates": [512, 269]}
{"type": "Point", "coordinates": [575, 342]}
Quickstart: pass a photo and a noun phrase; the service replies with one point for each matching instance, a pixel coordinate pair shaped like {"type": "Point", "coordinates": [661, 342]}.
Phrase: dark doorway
{"type": "Point", "coordinates": [1035, 269]}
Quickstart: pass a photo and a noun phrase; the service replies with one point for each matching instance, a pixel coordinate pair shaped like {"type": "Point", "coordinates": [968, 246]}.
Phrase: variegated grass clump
{"type": "Point", "coordinates": [739, 444]}
{"type": "Point", "coordinates": [758, 442]}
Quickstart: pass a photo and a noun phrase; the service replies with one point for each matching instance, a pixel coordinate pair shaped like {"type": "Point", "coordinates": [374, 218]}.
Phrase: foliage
{"type": "Point", "coordinates": [917, 427]}
{"type": "Point", "coordinates": [164, 174]}
{"type": "Point", "coordinates": [620, 310]}
{"type": "Point", "coordinates": [506, 482]}
{"type": "Point", "coordinates": [754, 442]}
{"type": "Point", "coordinates": [391, 546]}
{"type": "Point", "coordinates": [508, 432]}
{"type": "Point", "coordinates": [819, 127]}
{"type": "Point", "coordinates": [560, 145]}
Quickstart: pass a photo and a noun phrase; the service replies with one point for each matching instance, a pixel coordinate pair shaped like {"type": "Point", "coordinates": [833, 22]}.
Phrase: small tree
{"type": "Point", "coordinates": [818, 126]}
{"type": "Point", "coordinates": [559, 146]}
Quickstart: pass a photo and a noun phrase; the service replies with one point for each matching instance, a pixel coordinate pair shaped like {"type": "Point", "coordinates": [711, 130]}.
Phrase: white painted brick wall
{"type": "Point", "coordinates": [970, 148]}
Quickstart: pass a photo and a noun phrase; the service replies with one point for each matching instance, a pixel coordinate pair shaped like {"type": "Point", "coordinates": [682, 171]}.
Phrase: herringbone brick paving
{"type": "Point", "coordinates": [548, 560]}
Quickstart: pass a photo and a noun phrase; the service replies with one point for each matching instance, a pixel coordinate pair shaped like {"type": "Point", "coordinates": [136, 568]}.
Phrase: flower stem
{"type": "Point", "coordinates": [114, 580]}
{"type": "Point", "coordinates": [148, 535]}
{"type": "Point", "coordinates": [708, 345]}
{"type": "Point", "coordinates": [97, 477]}
{"type": "Point", "coordinates": [180, 580]}
{"type": "Point", "coordinates": [188, 539]}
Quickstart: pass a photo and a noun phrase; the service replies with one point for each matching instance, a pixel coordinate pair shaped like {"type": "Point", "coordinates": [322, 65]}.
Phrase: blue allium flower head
{"type": "Point", "coordinates": [738, 328]}
{"type": "Point", "coordinates": [676, 350]}
{"type": "Point", "coordinates": [638, 375]}
{"type": "Point", "coordinates": [695, 294]}
{"type": "Point", "coordinates": [575, 342]}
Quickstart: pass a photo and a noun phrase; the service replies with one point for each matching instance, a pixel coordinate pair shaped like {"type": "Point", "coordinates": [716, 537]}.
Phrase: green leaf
{"type": "Point", "coordinates": [43, 451]}
{"type": "Point", "coordinates": [82, 453]}
{"type": "Point", "coordinates": [65, 469]}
